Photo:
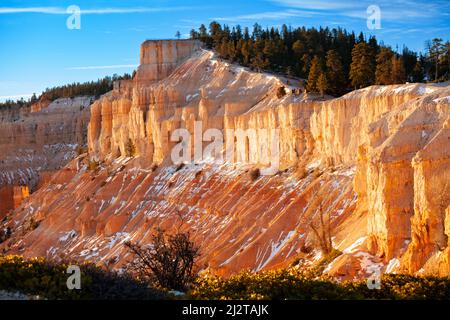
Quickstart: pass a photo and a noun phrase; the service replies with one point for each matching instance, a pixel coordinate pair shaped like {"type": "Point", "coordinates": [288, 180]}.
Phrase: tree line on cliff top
{"type": "Point", "coordinates": [334, 61]}
{"type": "Point", "coordinates": [90, 88]}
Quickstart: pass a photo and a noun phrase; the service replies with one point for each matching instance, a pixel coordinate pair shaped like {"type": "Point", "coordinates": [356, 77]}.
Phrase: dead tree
{"type": "Point", "coordinates": [322, 232]}
{"type": "Point", "coordinates": [168, 261]}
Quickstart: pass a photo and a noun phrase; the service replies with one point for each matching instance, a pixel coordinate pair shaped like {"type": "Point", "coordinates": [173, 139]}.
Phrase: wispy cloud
{"type": "Point", "coordinates": [414, 31]}
{"type": "Point", "coordinates": [60, 10]}
{"type": "Point", "coordinates": [273, 15]}
{"type": "Point", "coordinates": [316, 4]}
{"type": "Point", "coordinates": [47, 10]}
{"type": "Point", "coordinates": [392, 10]}
{"type": "Point", "coordinates": [115, 66]}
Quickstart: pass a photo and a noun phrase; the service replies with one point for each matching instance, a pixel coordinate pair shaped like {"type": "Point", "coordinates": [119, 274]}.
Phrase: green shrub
{"type": "Point", "coordinates": [130, 149]}
{"type": "Point", "coordinates": [46, 279]}
{"type": "Point", "coordinates": [295, 284]}
{"type": "Point", "coordinates": [274, 284]}
{"type": "Point", "coordinates": [81, 150]}
{"type": "Point", "coordinates": [5, 234]}
{"type": "Point", "coordinates": [38, 276]}
{"type": "Point", "coordinates": [281, 92]}
{"type": "Point", "coordinates": [93, 165]}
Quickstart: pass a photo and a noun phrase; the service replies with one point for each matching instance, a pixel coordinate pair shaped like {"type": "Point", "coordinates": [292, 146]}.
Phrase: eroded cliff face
{"type": "Point", "coordinates": [11, 197]}
{"type": "Point", "coordinates": [220, 95]}
{"type": "Point", "coordinates": [36, 141]}
{"type": "Point", "coordinates": [43, 138]}
{"type": "Point", "coordinates": [376, 161]}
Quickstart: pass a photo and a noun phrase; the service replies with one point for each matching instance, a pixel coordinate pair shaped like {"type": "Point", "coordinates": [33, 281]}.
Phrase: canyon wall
{"type": "Point", "coordinates": [11, 197]}
{"type": "Point", "coordinates": [42, 139]}
{"type": "Point", "coordinates": [36, 141]}
{"type": "Point", "coordinates": [159, 58]}
{"type": "Point", "coordinates": [376, 162]}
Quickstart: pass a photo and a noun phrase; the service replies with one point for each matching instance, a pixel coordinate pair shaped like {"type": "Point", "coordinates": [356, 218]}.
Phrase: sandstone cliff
{"type": "Point", "coordinates": [40, 140]}
{"type": "Point", "coordinates": [376, 161]}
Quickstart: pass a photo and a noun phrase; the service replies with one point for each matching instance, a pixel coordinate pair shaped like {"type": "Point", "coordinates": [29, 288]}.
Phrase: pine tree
{"type": "Point", "coordinates": [306, 64]}
{"type": "Point", "coordinates": [322, 84]}
{"type": "Point", "coordinates": [246, 51]}
{"type": "Point", "coordinates": [335, 73]}
{"type": "Point", "coordinates": [298, 47]}
{"type": "Point", "coordinates": [314, 74]}
{"type": "Point", "coordinates": [292, 50]}
{"type": "Point", "coordinates": [384, 66]}
{"type": "Point", "coordinates": [362, 68]}
{"type": "Point", "coordinates": [259, 62]}
{"type": "Point", "coordinates": [447, 61]}
{"type": "Point", "coordinates": [231, 51]}
{"type": "Point", "coordinates": [194, 34]}
{"type": "Point", "coordinates": [269, 50]}
{"type": "Point", "coordinates": [204, 37]}
{"type": "Point", "coordinates": [417, 73]}
{"type": "Point", "coordinates": [436, 50]}
{"type": "Point", "coordinates": [398, 75]}
{"type": "Point", "coordinates": [409, 60]}
{"type": "Point", "coordinates": [215, 31]}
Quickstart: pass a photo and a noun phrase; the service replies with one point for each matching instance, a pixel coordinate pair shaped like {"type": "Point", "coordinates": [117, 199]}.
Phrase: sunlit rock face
{"type": "Point", "coordinates": [11, 197]}
{"type": "Point", "coordinates": [159, 58]}
{"type": "Point", "coordinates": [41, 138]}
{"type": "Point", "coordinates": [376, 161]}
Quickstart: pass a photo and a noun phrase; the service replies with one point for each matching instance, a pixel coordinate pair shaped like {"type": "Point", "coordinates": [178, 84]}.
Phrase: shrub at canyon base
{"type": "Point", "coordinates": [295, 284]}
{"type": "Point", "coordinates": [38, 277]}
{"type": "Point", "coordinates": [169, 261]}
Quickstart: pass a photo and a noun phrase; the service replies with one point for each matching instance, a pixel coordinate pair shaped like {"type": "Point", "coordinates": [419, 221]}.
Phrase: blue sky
{"type": "Point", "coordinates": [39, 51]}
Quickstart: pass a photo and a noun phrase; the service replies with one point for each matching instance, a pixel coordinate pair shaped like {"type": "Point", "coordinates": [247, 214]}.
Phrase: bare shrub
{"type": "Point", "coordinates": [5, 234]}
{"type": "Point", "coordinates": [281, 92]}
{"type": "Point", "coordinates": [93, 165]}
{"type": "Point", "coordinates": [255, 174]}
{"type": "Point", "coordinates": [81, 150]}
{"type": "Point", "coordinates": [322, 232]}
{"type": "Point", "coordinates": [130, 148]}
{"type": "Point", "coordinates": [168, 261]}
{"type": "Point", "coordinates": [179, 167]}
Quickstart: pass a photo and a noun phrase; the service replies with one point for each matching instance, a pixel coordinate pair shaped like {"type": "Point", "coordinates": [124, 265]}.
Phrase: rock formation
{"type": "Point", "coordinates": [11, 198]}
{"type": "Point", "coordinates": [35, 141]}
{"type": "Point", "coordinates": [41, 140]}
{"type": "Point", "coordinates": [375, 161]}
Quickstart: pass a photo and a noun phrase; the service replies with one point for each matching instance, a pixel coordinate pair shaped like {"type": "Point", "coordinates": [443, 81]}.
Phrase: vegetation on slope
{"type": "Point", "coordinates": [39, 277]}
{"type": "Point", "coordinates": [295, 284]}
{"type": "Point", "coordinates": [91, 88]}
{"type": "Point", "coordinates": [169, 263]}
{"type": "Point", "coordinates": [334, 61]}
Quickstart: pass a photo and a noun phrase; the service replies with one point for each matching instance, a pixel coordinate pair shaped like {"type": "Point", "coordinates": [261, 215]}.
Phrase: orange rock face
{"type": "Point", "coordinates": [375, 161]}
{"type": "Point", "coordinates": [41, 139]}
{"type": "Point", "coordinates": [11, 198]}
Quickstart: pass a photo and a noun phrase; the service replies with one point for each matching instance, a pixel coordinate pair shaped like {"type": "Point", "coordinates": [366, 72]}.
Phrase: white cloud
{"type": "Point", "coordinates": [47, 10]}
{"type": "Point", "coordinates": [115, 66]}
{"type": "Point", "coordinates": [391, 10]}
{"type": "Point", "coordinates": [60, 10]}
{"type": "Point", "coordinates": [316, 4]}
{"type": "Point", "coordinates": [273, 15]}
